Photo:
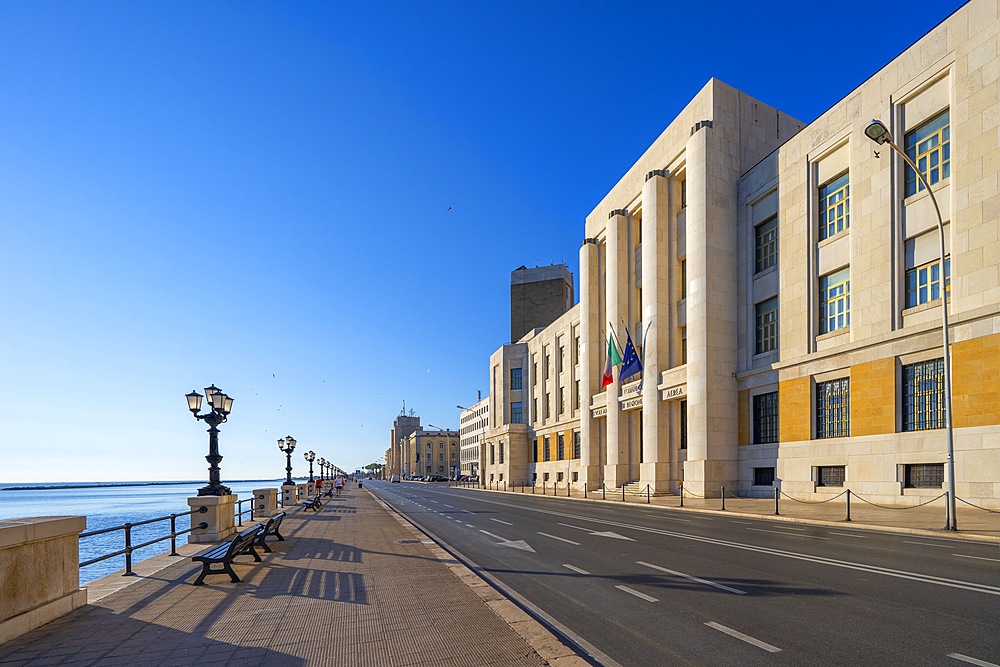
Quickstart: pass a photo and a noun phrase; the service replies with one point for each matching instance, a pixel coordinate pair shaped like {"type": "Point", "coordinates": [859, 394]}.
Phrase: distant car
{"type": "Point", "coordinates": [394, 478]}
{"type": "Point", "coordinates": [437, 478]}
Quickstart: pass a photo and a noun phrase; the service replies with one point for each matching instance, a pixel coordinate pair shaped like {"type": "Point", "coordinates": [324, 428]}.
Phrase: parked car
{"type": "Point", "coordinates": [394, 478]}
{"type": "Point", "coordinates": [436, 478]}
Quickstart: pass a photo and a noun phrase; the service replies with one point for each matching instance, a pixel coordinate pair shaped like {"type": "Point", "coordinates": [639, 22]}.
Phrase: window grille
{"type": "Point", "coordinates": [765, 418]}
{"type": "Point", "coordinates": [831, 475]}
{"type": "Point", "coordinates": [763, 476]}
{"type": "Point", "coordinates": [833, 408]}
{"type": "Point", "coordinates": [923, 396]}
{"type": "Point", "coordinates": [560, 447]}
{"type": "Point", "coordinates": [576, 444]}
{"type": "Point", "coordinates": [924, 476]}
{"type": "Point", "coordinates": [546, 449]}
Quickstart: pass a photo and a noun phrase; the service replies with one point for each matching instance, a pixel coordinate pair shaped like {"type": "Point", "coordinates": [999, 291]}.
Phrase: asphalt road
{"type": "Point", "coordinates": [658, 586]}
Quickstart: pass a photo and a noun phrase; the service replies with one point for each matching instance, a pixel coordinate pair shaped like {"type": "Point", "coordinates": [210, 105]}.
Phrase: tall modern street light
{"type": "Point", "coordinates": [287, 445]}
{"type": "Point", "coordinates": [221, 406]}
{"type": "Point", "coordinates": [310, 456]}
{"type": "Point", "coordinates": [879, 133]}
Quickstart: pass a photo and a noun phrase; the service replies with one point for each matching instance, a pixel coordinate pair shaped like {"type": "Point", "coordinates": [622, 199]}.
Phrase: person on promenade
{"type": "Point", "coordinates": [339, 485]}
{"type": "Point", "coordinates": [319, 485]}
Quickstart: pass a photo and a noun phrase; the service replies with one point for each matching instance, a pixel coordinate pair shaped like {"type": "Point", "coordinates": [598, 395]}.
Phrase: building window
{"type": "Point", "coordinates": [923, 283]}
{"type": "Point", "coordinates": [923, 395]}
{"type": "Point", "coordinates": [545, 476]}
{"type": "Point", "coordinates": [929, 146]}
{"type": "Point", "coordinates": [534, 369]}
{"type": "Point", "coordinates": [835, 300]}
{"type": "Point", "coordinates": [576, 355]}
{"type": "Point", "coordinates": [560, 447]}
{"type": "Point", "coordinates": [576, 444]}
{"type": "Point", "coordinates": [562, 400]}
{"type": "Point", "coordinates": [684, 278]}
{"type": "Point", "coordinates": [515, 378]}
{"type": "Point", "coordinates": [833, 408]}
{"type": "Point", "coordinates": [501, 452]}
{"type": "Point", "coordinates": [562, 358]}
{"type": "Point", "coordinates": [830, 475]}
{"type": "Point", "coordinates": [766, 238]}
{"type": "Point", "coordinates": [515, 413]}
{"type": "Point", "coordinates": [835, 206]}
{"type": "Point", "coordinates": [684, 424]}
{"type": "Point", "coordinates": [441, 456]}
{"type": "Point", "coordinates": [493, 454]}
{"type": "Point", "coordinates": [546, 450]}
{"type": "Point", "coordinates": [576, 395]}
{"type": "Point", "coordinates": [548, 405]}
{"type": "Point", "coordinates": [767, 325]}
{"type": "Point", "coordinates": [684, 194]}
{"type": "Point", "coordinates": [548, 364]}
{"type": "Point", "coordinates": [534, 450]}
{"type": "Point", "coordinates": [763, 476]}
{"type": "Point", "coordinates": [923, 476]}
{"type": "Point", "coordinates": [765, 418]}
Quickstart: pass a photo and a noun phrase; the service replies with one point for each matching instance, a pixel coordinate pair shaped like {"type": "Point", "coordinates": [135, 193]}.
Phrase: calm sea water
{"type": "Point", "coordinates": [107, 506]}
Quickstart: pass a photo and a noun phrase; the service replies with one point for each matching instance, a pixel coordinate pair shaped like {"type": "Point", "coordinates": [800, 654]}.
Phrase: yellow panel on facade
{"type": "Point", "coordinates": [976, 381]}
{"type": "Point", "coordinates": [743, 417]}
{"type": "Point", "coordinates": [795, 409]}
{"type": "Point", "coordinates": [873, 397]}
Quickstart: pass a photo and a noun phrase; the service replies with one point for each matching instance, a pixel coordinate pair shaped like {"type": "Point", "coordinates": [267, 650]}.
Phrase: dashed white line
{"type": "Point", "coordinates": [928, 544]}
{"type": "Point", "coordinates": [447, 505]}
{"type": "Point", "coordinates": [632, 591]}
{"type": "Point", "coordinates": [972, 661]}
{"type": "Point", "coordinates": [857, 537]}
{"type": "Point", "coordinates": [506, 523]}
{"type": "Point", "coordinates": [995, 560]}
{"type": "Point", "coordinates": [692, 578]}
{"type": "Point", "coordinates": [470, 525]}
{"type": "Point", "coordinates": [561, 539]}
{"type": "Point", "coordinates": [747, 638]}
{"type": "Point", "coordinates": [778, 532]}
{"type": "Point", "coordinates": [576, 569]}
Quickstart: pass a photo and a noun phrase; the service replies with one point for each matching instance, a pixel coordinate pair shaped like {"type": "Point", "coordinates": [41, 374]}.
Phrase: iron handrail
{"type": "Point", "coordinates": [129, 547]}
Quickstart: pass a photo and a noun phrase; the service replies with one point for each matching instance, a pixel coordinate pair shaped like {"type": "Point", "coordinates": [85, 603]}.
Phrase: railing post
{"type": "Point", "coordinates": [947, 511]}
{"type": "Point", "coordinates": [604, 491]}
{"type": "Point", "coordinates": [567, 488]}
{"type": "Point", "coordinates": [239, 513]}
{"type": "Point", "coordinates": [647, 494]}
{"type": "Point", "coordinates": [505, 486]}
{"type": "Point", "coordinates": [682, 495]}
{"type": "Point", "coordinates": [776, 494]}
{"type": "Point", "coordinates": [532, 488]}
{"type": "Point", "coordinates": [173, 535]}
{"type": "Point", "coordinates": [723, 499]}
{"type": "Point", "coordinates": [848, 505]}
{"type": "Point", "coordinates": [128, 551]}
{"type": "Point", "coordinates": [585, 490]}
{"type": "Point", "coordinates": [623, 493]}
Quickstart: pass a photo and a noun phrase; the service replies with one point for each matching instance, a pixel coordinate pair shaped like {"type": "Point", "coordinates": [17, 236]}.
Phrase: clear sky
{"type": "Point", "coordinates": [316, 206]}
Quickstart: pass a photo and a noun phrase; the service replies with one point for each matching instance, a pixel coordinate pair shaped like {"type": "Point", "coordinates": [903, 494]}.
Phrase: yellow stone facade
{"type": "Point", "coordinates": [873, 397]}
{"type": "Point", "coordinates": [976, 379]}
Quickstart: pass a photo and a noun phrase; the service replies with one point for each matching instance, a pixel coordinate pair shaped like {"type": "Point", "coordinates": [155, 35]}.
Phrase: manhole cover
{"type": "Point", "coordinates": [408, 541]}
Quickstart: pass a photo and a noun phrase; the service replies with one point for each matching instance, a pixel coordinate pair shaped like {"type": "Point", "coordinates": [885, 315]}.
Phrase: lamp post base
{"type": "Point", "coordinates": [216, 490]}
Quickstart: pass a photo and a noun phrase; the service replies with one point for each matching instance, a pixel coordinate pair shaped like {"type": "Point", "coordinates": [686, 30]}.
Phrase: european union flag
{"type": "Point", "coordinates": [630, 360]}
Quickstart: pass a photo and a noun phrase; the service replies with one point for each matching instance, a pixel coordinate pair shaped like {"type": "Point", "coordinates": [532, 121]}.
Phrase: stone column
{"type": "Point", "coordinates": [301, 492]}
{"type": "Point", "coordinates": [590, 371]}
{"type": "Point", "coordinates": [265, 502]}
{"type": "Point", "coordinates": [39, 572]}
{"type": "Point", "coordinates": [220, 518]}
{"type": "Point", "coordinates": [288, 495]}
{"type": "Point", "coordinates": [657, 321]}
{"type": "Point", "coordinates": [616, 470]}
{"type": "Point", "coordinates": [711, 315]}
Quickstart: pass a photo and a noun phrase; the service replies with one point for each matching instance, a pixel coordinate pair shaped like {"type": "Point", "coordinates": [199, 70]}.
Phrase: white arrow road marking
{"type": "Point", "coordinates": [636, 593]}
{"type": "Point", "coordinates": [607, 533]}
{"type": "Point", "coordinates": [747, 638]}
{"type": "Point", "coordinates": [972, 661]}
{"type": "Point", "coordinates": [575, 568]}
{"type": "Point", "coordinates": [688, 576]}
{"type": "Point", "coordinates": [516, 544]}
{"type": "Point", "coordinates": [561, 539]}
{"type": "Point", "coordinates": [506, 523]}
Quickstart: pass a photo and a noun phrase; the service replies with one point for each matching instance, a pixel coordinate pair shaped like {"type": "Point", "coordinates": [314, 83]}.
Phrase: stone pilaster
{"type": "Point", "coordinates": [616, 469]}
{"type": "Point", "coordinates": [590, 359]}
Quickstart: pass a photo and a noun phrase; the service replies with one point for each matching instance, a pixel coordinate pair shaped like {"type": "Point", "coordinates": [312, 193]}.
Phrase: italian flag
{"type": "Point", "coordinates": [613, 360]}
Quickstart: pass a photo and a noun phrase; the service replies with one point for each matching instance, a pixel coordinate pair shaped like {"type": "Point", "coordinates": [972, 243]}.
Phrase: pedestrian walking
{"type": "Point", "coordinates": [338, 484]}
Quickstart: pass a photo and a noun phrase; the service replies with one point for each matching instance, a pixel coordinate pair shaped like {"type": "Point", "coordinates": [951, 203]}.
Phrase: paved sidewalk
{"type": "Point", "coordinates": [352, 585]}
{"type": "Point", "coordinates": [929, 519]}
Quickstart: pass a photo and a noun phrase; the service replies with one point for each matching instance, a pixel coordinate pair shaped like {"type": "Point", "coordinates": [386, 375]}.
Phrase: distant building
{"type": "Point", "coordinates": [402, 427]}
{"type": "Point", "coordinates": [473, 422]}
{"type": "Point", "coordinates": [430, 453]}
{"type": "Point", "coordinates": [537, 297]}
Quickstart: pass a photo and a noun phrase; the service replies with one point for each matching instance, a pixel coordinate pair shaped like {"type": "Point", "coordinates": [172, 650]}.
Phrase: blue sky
{"type": "Point", "coordinates": [316, 206]}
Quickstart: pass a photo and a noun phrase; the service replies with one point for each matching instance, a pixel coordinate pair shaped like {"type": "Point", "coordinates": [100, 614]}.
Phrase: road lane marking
{"type": "Point", "coordinates": [857, 537]}
{"type": "Point", "coordinates": [747, 638]}
{"type": "Point", "coordinates": [606, 533]}
{"type": "Point", "coordinates": [516, 544]}
{"type": "Point", "coordinates": [636, 593]}
{"type": "Point", "coordinates": [506, 523]}
{"type": "Point", "coordinates": [745, 523]}
{"type": "Point", "coordinates": [470, 525]}
{"type": "Point", "coordinates": [468, 512]}
{"type": "Point", "coordinates": [928, 544]}
{"type": "Point", "coordinates": [995, 560]}
{"type": "Point", "coordinates": [447, 505]}
{"type": "Point", "coordinates": [576, 569]}
{"type": "Point", "coordinates": [780, 527]}
{"type": "Point", "coordinates": [561, 539]}
{"type": "Point", "coordinates": [972, 661]}
{"type": "Point", "coordinates": [778, 532]}
{"type": "Point", "coordinates": [692, 578]}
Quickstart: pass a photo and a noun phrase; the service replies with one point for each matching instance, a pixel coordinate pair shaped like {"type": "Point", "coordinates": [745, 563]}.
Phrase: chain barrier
{"type": "Point", "coordinates": [812, 502]}
{"type": "Point", "coordinates": [890, 507]}
{"type": "Point", "coordinates": [985, 509]}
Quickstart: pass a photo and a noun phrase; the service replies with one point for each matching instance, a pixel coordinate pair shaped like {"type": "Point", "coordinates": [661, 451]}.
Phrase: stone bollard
{"type": "Point", "coordinates": [265, 502]}
{"type": "Point", "coordinates": [39, 572]}
{"type": "Point", "coordinates": [311, 489]}
{"type": "Point", "coordinates": [220, 518]}
{"type": "Point", "coordinates": [300, 491]}
{"type": "Point", "coordinates": [288, 497]}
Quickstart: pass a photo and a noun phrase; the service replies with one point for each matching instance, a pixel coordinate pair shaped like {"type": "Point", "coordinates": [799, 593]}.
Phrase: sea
{"type": "Point", "coordinates": [108, 504]}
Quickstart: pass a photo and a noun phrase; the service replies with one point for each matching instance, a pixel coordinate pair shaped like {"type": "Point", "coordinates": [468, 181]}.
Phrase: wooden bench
{"type": "Point", "coordinates": [240, 545]}
{"type": "Point", "coordinates": [271, 528]}
{"type": "Point", "coordinates": [313, 504]}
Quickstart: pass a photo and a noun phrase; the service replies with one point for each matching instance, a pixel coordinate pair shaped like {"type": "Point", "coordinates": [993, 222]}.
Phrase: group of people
{"type": "Point", "coordinates": [338, 485]}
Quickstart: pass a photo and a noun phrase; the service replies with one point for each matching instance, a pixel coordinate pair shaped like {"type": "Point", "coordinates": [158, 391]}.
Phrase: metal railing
{"type": "Point", "coordinates": [129, 548]}
{"type": "Point", "coordinates": [240, 511]}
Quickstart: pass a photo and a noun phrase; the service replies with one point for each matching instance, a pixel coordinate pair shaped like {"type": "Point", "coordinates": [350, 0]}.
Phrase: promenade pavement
{"type": "Point", "coordinates": [353, 584]}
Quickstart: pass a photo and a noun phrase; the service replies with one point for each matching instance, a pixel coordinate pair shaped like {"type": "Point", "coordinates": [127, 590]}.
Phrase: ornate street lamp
{"type": "Point", "coordinates": [221, 406]}
{"type": "Point", "coordinates": [287, 445]}
{"type": "Point", "coordinates": [879, 133]}
{"type": "Point", "coordinates": [310, 456]}
{"type": "Point", "coordinates": [322, 467]}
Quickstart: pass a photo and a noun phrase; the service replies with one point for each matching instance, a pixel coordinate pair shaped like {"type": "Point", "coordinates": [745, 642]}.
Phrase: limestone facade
{"type": "Point", "coordinates": [433, 452]}
{"type": "Point", "coordinates": [473, 422]}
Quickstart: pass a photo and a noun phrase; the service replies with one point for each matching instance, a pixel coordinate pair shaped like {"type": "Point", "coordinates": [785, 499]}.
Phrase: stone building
{"type": "Point", "coordinates": [783, 284]}
{"type": "Point", "coordinates": [473, 422]}
{"type": "Point", "coordinates": [538, 296]}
